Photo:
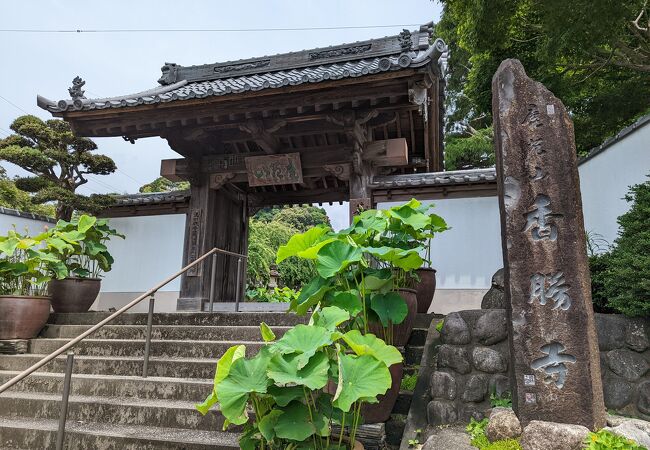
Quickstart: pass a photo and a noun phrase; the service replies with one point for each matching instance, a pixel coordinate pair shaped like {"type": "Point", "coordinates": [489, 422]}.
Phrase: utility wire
{"type": "Point", "coordinates": [13, 104]}
{"type": "Point", "coordinates": [200, 30]}
{"type": "Point", "coordinates": [140, 183]}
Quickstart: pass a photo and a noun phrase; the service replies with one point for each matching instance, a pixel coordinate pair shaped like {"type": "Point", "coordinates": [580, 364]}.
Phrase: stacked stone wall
{"type": "Point", "coordinates": [473, 363]}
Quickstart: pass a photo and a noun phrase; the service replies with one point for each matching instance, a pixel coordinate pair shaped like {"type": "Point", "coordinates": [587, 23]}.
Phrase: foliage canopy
{"type": "Point", "coordinates": [59, 162]}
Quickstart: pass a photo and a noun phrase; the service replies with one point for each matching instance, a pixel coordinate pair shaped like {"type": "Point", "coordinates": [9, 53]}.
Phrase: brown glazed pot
{"type": "Point", "coordinates": [22, 317]}
{"type": "Point", "coordinates": [402, 331]}
{"type": "Point", "coordinates": [73, 294]}
{"type": "Point", "coordinates": [425, 288]}
{"type": "Point", "coordinates": [380, 412]}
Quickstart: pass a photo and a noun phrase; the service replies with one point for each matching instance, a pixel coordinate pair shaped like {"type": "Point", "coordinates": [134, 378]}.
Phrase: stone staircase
{"type": "Point", "coordinates": [111, 406]}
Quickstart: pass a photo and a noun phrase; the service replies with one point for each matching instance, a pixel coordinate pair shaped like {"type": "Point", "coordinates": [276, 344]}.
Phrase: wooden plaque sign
{"type": "Point", "coordinates": [274, 169]}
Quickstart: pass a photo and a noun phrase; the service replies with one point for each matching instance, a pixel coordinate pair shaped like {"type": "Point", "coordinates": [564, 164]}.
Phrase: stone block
{"type": "Point", "coordinates": [475, 389]}
{"type": "Point", "coordinates": [503, 424]}
{"type": "Point", "coordinates": [611, 331]}
{"type": "Point", "coordinates": [441, 412]}
{"type": "Point", "coordinates": [500, 385]}
{"type": "Point", "coordinates": [491, 327]}
{"type": "Point", "coordinates": [443, 386]}
{"type": "Point", "coordinates": [627, 364]}
{"type": "Point", "coordinates": [449, 438]}
{"type": "Point", "coordinates": [495, 298]}
{"type": "Point", "coordinates": [540, 435]}
{"type": "Point", "coordinates": [643, 398]}
{"type": "Point", "coordinates": [637, 430]}
{"type": "Point", "coordinates": [455, 358]}
{"type": "Point", "coordinates": [618, 392]}
{"type": "Point", "coordinates": [498, 279]}
{"type": "Point", "coordinates": [637, 335]}
{"type": "Point", "coordinates": [455, 330]}
{"type": "Point", "coordinates": [488, 360]}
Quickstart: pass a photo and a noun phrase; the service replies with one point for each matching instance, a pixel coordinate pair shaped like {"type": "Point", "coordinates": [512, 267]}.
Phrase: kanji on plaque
{"type": "Point", "coordinates": [274, 169]}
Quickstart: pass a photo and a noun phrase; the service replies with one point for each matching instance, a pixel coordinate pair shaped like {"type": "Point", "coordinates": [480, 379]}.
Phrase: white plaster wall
{"type": "Point", "coordinates": [466, 256]}
{"type": "Point", "coordinates": [152, 251]}
{"type": "Point", "coordinates": [606, 178]}
{"type": "Point", "coordinates": [7, 222]}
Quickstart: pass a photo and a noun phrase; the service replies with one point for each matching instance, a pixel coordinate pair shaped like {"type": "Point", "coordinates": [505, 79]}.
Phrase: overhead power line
{"type": "Point", "coordinates": [13, 104]}
{"type": "Point", "coordinates": [200, 30]}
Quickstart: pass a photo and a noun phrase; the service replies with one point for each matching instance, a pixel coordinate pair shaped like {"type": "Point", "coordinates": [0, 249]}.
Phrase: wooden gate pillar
{"type": "Point", "coordinates": [215, 218]}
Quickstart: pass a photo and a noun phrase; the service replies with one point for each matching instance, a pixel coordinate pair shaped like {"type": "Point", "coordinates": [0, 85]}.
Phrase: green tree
{"type": "Point", "coordinates": [591, 54]}
{"type": "Point", "coordinates": [162, 184]}
{"type": "Point", "coordinates": [268, 230]}
{"type": "Point", "coordinates": [14, 198]}
{"type": "Point", "coordinates": [622, 277]}
{"type": "Point", "coordinates": [467, 152]}
{"type": "Point", "coordinates": [59, 162]}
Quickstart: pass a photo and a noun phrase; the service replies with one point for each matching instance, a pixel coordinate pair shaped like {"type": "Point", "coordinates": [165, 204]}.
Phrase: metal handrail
{"type": "Point", "coordinates": [150, 293]}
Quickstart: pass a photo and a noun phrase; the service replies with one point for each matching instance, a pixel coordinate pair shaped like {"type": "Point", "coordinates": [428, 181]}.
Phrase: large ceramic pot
{"type": "Point", "coordinates": [402, 331]}
{"type": "Point", "coordinates": [380, 412]}
{"type": "Point", "coordinates": [73, 294]}
{"type": "Point", "coordinates": [22, 317]}
{"type": "Point", "coordinates": [425, 288]}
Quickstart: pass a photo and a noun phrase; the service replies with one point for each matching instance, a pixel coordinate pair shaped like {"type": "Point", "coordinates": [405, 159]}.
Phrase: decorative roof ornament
{"type": "Point", "coordinates": [169, 74]}
{"type": "Point", "coordinates": [405, 40]}
{"type": "Point", "coordinates": [75, 91]}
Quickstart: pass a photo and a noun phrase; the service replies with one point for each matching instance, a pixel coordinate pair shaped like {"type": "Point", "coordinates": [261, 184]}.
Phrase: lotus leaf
{"type": "Point", "coordinates": [267, 424]}
{"type": "Point", "coordinates": [330, 317]}
{"type": "Point", "coordinates": [408, 259]}
{"type": "Point", "coordinates": [304, 245]}
{"type": "Point", "coordinates": [294, 422]}
{"type": "Point", "coordinates": [369, 344]}
{"type": "Point", "coordinates": [304, 340]}
{"type": "Point", "coordinates": [223, 368]}
{"type": "Point", "coordinates": [348, 301]}
{"type": "Point", "coordinates": [267, 333]}
{"type": "Point", "coordinates": [360, 377]}
{"type": "Point", "coordinates": [283, 395]}
{"type": "Point", "coordinates": [284, 370]}
{"type": "Point", "coordinates": [246, 376]}
{"type": "Point", "coordinates": [390, 308]}
{"type": "Point", "coordinates": [310, 295]}
{"type": "Point", "coordinates": [335, 257]}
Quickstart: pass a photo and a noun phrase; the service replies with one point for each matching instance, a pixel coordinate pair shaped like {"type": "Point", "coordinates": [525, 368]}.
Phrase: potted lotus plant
{"type": "Point", "coordinates": [26, 267]}
{"type": "Point", "coordinates": [368, 269]}
{"type": "Point", "coordinates": [419, 226]}
{"type": "Point", "coordinates": [285, 384]}
{"type": "Point", "coordinates": [81, 245]}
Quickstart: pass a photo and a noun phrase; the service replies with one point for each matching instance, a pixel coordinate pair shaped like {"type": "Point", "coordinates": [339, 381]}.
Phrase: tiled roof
{"type": "Point", "coordinates": [406, 50]}
{"type": "Point", "coordinates": [640, 123]}
{"type": "Point", "coordinates": [152, 198]}
{"type": "Point", "coordinates": [436, 178]}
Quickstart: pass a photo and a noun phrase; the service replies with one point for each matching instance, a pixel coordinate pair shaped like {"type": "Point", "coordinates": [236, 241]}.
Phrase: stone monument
{"type": "Point", "coordinates": [553, 345]}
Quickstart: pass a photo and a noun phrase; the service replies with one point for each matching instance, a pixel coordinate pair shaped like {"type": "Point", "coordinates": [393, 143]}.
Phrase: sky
{"type": "Point", "coordinates": [122, 63]}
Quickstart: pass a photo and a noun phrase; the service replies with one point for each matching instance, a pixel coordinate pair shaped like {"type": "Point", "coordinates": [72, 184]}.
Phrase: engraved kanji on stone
{"type": "Point", "coordinates": [540, 219]}
{"type": "Point", "coordinates": [550, 287]}
{"type": "Point", "coordinates": [533, 117]}
{"type": "Point", "coordinates": [554, 363]}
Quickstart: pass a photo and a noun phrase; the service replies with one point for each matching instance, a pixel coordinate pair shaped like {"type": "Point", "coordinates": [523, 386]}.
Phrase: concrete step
{"type": "Point", "coordinates": [194, 368]}
{"type": "Point", "coordinates": [23, 434]}
{"type": "Point", "coordinates": [115, 411]}
{"type": "Point", "coordinates": [180, 318]}
{"type": "Point", "coordinates": [162, 332]}
{"type": "Point", "coordinates": [136, 387]}
{"type": "Point", "coordinates": [130, 347]}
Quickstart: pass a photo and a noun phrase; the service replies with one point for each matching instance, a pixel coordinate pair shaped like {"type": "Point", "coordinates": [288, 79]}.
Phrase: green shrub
{"type": "Point", "coordinates": [504, 400]}
{"type": "Point", "coordinates": [620, 277]}
{"type": "Point", "coordinates": [606, 440]}
{"type": "Point", "coordinates": [409, 382]}
{"type": "Point", "coordinates": [275, 295]}
{"type": "Point", "coordinates": [470, 152]}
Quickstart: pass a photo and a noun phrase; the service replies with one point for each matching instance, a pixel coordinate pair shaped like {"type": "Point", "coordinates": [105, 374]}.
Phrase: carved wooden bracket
{"type": "Point", "coordinates": [340, 171]}
{"type": "Point", "coordinates": [262, 133]}
{"type": "Point", "coordinates": [418, 95]}
{"type": "Point", "coordinates": [353, 123]}
{"type": "Point", "coordinates": [217, 180]}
